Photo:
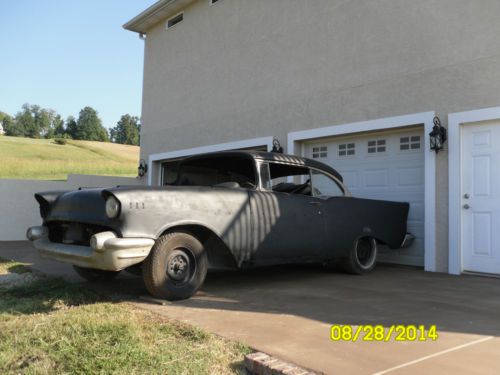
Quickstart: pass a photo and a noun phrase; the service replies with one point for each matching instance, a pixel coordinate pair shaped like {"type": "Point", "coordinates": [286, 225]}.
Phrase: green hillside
{"type": "Point", "coordinates": [43, 159]}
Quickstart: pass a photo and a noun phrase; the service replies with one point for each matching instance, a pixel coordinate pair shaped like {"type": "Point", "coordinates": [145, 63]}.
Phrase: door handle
{"type": "Point", "coordinates": [466, 206]}
{"type": "Point", "coordinates": [466, 196]}
{"type": "Point", "coordinates": [314, 203]}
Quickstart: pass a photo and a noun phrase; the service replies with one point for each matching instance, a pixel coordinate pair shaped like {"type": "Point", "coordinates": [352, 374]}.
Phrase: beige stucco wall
{"type": "Point", "coordinates": [245, 69]}
{"type": "Point", "coordinates": [19, 210]}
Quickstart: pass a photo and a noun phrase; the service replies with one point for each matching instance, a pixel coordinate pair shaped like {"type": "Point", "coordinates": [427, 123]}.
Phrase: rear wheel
{"type": "Point", "coordinates": [95, 275]}
{"type": "Point", "coordinates": [176, 266]}
{"type": "Point", "coordinates": [363, 256]}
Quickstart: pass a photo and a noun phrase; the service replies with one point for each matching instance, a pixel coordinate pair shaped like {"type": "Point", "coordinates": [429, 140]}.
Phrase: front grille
{"type": "Point", "coordinates": [74, 233]}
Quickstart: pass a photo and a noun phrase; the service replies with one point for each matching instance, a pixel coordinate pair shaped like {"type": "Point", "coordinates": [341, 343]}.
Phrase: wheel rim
{"type": "Point", "coordinates": [366, 252]}
{"type": "Point", "coordinates": [180, 266]}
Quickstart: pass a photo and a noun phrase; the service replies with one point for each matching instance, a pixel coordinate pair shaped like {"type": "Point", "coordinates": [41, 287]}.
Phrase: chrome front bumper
{"type": "Point", "coordinates": [106, 250]}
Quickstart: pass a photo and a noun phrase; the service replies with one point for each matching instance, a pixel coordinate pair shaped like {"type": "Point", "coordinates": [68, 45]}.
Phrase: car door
{"type": "Point", "coordinates": [335, 211]}
{"type": "Point", "coordinates": [288, 227]}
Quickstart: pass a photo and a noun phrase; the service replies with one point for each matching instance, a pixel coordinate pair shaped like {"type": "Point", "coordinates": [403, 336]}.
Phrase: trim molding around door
{"type": "Point", "coordinates": [154, 159]}
{"type": "Point", "coordinates": [455, 120]}
{"type": "Point", "coordinates": [422, 118]}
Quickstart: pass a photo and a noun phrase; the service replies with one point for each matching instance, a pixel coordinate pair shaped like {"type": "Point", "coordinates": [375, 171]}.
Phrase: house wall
{"type": "Point", "coordinates": [246, 69]}
{"type": "Point", "coordinates": [19, 209]}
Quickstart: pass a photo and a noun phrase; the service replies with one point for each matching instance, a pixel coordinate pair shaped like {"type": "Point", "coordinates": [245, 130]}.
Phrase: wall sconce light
{"type": "Point", "coordinates": [143, 168]}
{"type": "Point", "coordinates": [437, 135]}
{"type": "Point", "coordinates": [277, 146]}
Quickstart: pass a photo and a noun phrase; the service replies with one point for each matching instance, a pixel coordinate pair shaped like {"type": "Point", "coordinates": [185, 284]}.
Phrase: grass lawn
{"type": "Point", "coordinates": [27, 158]}
{"type": "Point", "coordinates": [10, 266]}
{"type": "Point", "coordinates": [49, 326]}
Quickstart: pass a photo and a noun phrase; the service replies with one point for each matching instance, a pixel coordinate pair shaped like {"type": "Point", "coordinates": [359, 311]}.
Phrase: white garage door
{"type": "Point", "coordinates": [382, 165]}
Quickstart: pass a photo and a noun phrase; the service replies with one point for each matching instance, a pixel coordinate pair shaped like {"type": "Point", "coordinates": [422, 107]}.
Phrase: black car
{"type": "Point", "coordinates": [225, 209]}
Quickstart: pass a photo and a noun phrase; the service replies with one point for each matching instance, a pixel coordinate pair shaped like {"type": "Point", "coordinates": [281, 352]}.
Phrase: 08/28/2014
{"type": "Point", "coordinates": [380, 333]}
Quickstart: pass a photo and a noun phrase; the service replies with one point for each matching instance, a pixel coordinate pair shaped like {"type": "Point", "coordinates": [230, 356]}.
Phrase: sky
{"type": "Point", "coordinates": [66, 55]}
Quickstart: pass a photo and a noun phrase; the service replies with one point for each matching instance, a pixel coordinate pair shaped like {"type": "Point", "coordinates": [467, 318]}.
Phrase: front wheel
{"type": "Point", "coordinates": [176, 266]}
{"type": "Point", "coordinates": [95, 275]}
{"type": "Point", "coordinates": [363, 256]}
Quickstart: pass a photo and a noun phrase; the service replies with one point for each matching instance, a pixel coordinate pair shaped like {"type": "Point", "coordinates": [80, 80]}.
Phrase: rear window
{"type": "Point", "coordinates": [217, 170]}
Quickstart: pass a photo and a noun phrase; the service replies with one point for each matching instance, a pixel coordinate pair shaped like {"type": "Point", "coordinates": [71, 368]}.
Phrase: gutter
{"type": "Point", "coordinates": [139, 23]}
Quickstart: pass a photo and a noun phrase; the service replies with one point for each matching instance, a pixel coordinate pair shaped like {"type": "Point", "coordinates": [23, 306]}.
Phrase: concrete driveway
{"type": "Point", "coordinates": [288, 312]}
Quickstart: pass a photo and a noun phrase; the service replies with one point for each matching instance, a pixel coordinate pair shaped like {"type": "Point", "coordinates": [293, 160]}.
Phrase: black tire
{"type": "Point", "coordinates": [362, 258]}
{"type": "Point", "coordinates": [176, 266]}
{"type": "Point", "coordinates": [94, 275]}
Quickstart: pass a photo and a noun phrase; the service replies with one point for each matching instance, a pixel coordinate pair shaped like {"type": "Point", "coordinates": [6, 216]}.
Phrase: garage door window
{"type": "Point", "coordinates": [347, 149]}
{"type": "Point", "coordinates": [320, 152]}
{"type": "Point", "coordinates": [376, 146]}
{"type": "Point", "coordinates": [409, 143]}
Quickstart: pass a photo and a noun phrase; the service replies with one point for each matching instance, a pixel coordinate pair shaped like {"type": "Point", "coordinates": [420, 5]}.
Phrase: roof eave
{"type": "Point", "coordinates": [154, 14]}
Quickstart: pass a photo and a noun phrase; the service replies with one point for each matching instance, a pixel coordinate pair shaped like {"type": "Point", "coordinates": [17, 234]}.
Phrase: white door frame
{"type": "Point", "coordinates": [455, 120]}
{"type": "Point", "coordinates": [154, 160]}
{"type": "Point", "coordinates": [422, 118]}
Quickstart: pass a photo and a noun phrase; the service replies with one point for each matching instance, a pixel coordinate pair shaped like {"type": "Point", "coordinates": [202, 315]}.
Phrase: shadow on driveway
{"type": "Point", "coordinates": [388, 296]}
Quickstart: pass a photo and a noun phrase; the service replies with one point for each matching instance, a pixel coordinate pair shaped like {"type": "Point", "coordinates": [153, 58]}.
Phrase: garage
{"type": "Point", "coordinates": [386, 165]}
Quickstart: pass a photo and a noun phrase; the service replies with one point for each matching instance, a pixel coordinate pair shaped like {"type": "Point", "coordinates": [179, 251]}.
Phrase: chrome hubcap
{"type": "Point", "coordinates": [178, 266]}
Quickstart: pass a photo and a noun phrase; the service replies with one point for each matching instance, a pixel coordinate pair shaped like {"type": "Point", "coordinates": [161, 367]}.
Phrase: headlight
{"type": "Point", "coordinates": [112, 207]}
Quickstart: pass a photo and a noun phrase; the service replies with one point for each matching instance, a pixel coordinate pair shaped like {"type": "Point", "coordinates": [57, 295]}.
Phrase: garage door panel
{"type": "Point", "coordinates": [411, 176]}
{"type": "Point", "coordinates": [394, 256]}
{"type": "Point", "coordinates": [416, 228]}
{"type": "Point", "coordinates": [376, 178]}
{"type": "Point", "coordinates": [384, 166]}
{"type": "Point", "coordinates": [400, 257]}
{"type": "Point", "coordinates": [350, 179]}
{"type": "Point", "coordinates": [416, 213]}
{"type": "Point", "coordinates": [412, 250]}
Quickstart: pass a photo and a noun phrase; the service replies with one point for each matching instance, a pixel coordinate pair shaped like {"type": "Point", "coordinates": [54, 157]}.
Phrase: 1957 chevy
{"type": "Point", "coordinates": [226, 209]}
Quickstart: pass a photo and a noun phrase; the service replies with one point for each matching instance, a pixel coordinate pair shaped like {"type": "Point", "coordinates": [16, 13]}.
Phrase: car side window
{"type": "Point", "coordinates": [284, 178]}
{"type": "Point", "coordinates": [265, 177]}
{"type": "Point", "coordinates": [323, 186]}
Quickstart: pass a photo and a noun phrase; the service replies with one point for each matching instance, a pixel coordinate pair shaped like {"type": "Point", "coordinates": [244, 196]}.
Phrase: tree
{"type": "Point", "coordinates": [2, 116]}
{"type": "Point", "coordinates": [71, 127]}
{"type": "Point", "coordinates": [126, 130]}
{"type": "Point", "coordinates": [89, 126]}
{"type": "Point", "coordinates": [34, 122]}
{"type": "Point", "coordinates": [11, 128]}
{"type": "Point", "coordinates": [58, 126]}
{"type": "Point", "coordinates": [112, 135]}
{"type": "Point", "coordinates": [43, 120]}
{"type": "Point", "coordinates": [26, 121]}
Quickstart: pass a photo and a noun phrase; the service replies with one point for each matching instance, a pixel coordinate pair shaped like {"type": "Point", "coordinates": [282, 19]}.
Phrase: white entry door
{"type": "Point", "coordinates": [481, 197]}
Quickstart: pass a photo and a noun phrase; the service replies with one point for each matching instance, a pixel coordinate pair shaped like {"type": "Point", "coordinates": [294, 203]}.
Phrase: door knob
{"type": "Point", "coordinates": [466, 206]}
{"type": "Point", "coordinates": [466, 196]}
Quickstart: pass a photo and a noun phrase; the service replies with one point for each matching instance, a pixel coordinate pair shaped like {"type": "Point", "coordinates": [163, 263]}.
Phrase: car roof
{"type": "Point", "coordinates": [271, 157]}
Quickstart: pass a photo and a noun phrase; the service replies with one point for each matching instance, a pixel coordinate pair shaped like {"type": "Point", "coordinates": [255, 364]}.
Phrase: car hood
{"type": "Point", "coordinates": [84, 206]}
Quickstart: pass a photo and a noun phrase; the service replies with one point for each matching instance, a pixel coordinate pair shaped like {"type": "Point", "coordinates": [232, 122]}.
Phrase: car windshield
{"type": "Point", "coordinates": [232, 172]}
